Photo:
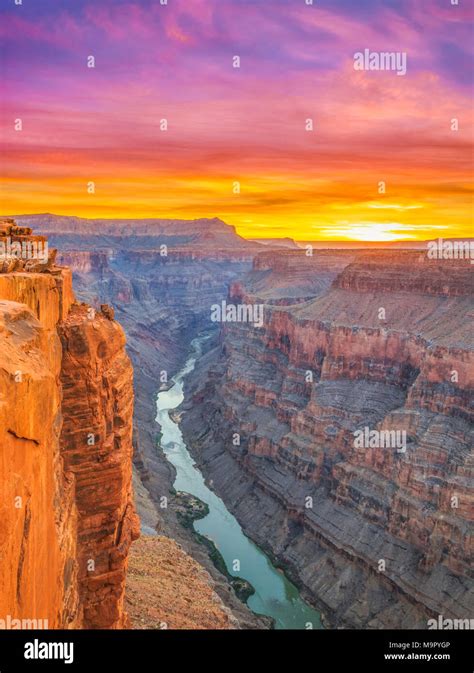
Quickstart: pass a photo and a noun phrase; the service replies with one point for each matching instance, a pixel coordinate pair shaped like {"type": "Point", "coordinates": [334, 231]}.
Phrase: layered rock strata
{"type": "Point", "coordinates": [66, 404]}
{"type": "Point", "coordinates": [377, 537]}
{"type": "Point", "coordinates": [161, 277]}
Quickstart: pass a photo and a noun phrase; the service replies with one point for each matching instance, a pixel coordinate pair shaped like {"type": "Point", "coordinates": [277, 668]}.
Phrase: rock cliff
{"type": "Point", "coordinates": [66, 402]}
{"type": "Point", "coordinates": [377, 537]}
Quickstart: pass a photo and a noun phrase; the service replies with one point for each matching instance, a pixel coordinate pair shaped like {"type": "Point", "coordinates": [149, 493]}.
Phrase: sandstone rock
{"type": "Point", "coordinates": [107, 311]}
{"type": "Point", "coordinates": [96, 439]}
{"type": "Point", "coordinates": [67, 516]}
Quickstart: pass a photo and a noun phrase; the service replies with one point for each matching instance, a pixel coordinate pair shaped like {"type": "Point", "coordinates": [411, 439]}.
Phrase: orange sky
{"type": "Point", "coordinates": [246, 125]}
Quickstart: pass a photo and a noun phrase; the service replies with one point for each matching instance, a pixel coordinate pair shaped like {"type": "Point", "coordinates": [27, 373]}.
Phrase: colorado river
{"type": "Point", "coordinates": [275, 596]}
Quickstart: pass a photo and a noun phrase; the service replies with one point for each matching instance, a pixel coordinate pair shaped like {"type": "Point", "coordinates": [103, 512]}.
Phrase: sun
{"type": "Point", "coordinates": [383, 232]}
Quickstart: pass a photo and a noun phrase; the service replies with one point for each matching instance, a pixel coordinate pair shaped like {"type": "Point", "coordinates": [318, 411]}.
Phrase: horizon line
{"type": "Point", "coordinates": [250, 239]}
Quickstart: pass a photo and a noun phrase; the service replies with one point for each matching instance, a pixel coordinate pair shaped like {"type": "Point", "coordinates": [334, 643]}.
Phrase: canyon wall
{"type": "Point", "coordinates": [96, 438]}
{"type": "Point", "coordinates": [161, 277]}
{"type": "Point", "coordinates": [376, 537]}
{"type": "Point", "coordinates": [66, 402]}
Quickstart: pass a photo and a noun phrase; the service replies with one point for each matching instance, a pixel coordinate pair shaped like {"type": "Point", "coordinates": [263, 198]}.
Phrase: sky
{"type": "Point", "coordinates": [384, 159]}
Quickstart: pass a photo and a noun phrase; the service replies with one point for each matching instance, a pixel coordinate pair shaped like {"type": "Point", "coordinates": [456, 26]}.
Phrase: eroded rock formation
{"type": "Point", "coordinates": [66, 403]}
{"type": "Point", "coordinates": [376, 537]}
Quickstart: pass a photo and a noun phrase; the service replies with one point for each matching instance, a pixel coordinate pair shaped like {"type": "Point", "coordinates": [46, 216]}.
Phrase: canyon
{"type": "Point", "coordinates": [68, 516]}
{"type": "Point", "coordinates": [161, 300]}
{"type": "Point", "coordinates": [376, 538]}
{"type": "Point", "coordinates": [326, 362]}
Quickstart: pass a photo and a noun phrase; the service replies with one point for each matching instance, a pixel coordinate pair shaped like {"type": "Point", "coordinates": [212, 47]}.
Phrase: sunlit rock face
{"type": "Point", "coordinates": [377, 536]}
{"type": "Point", "coordinates": [67, 514]}
{"type": "Point", "coordinates": [96, 445]}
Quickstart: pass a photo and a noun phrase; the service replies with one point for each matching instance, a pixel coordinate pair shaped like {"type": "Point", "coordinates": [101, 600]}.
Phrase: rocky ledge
{"type": "Point", "coordinates": [167, 589]}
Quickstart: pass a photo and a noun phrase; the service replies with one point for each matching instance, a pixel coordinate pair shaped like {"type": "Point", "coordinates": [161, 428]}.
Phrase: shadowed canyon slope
{"type": "Point", "coordinates": [388, 345]}
{"type": "Point", "coordinates": [168, 589]}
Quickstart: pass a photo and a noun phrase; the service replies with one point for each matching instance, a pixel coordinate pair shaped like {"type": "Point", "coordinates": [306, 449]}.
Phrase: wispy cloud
{"type": "Point", "coordinates": [174, 62]}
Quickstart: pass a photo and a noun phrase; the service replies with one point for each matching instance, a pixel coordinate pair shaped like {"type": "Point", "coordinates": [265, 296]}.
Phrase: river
{"type": "Point", "coordinates": [275, 596]}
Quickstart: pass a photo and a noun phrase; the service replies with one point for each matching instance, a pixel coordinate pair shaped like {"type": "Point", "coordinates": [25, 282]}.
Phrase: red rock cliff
{"type": "Point", "coordinates": [66, 402]}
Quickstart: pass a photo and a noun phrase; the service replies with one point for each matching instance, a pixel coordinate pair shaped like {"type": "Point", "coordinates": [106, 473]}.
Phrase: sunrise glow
{"type": "Point", "coordinates": [246, 126]}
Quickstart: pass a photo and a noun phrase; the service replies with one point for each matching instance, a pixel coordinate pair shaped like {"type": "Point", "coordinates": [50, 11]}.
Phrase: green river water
{"type": "Point", "coordinates": [275, 596]}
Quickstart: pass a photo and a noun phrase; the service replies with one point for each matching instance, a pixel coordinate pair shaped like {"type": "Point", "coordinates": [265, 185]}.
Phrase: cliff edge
{"type": "Point", "coordinates": [67, 517]}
